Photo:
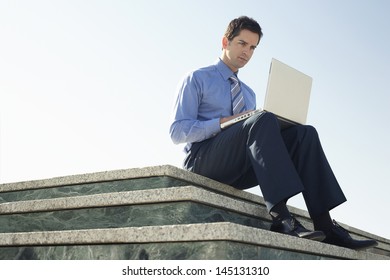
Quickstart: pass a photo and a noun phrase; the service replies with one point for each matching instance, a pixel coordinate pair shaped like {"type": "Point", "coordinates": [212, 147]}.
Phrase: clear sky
{"type": "Point", "coordinates": [88, 86]}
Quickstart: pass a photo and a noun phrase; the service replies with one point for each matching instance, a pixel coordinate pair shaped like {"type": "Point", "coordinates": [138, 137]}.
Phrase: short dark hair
{"type": "Point", "coordinates": [236, 25]}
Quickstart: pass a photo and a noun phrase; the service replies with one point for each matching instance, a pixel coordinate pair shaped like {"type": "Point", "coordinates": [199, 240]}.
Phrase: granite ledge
{"type": "Point", "coordinates": [174, 194]}
{"type": "Point", "coordinates": [134, 173]}
{"type": "Point", "coordinates": [162, 170]}
{"type": "Point", "coordinates": [184, 233]}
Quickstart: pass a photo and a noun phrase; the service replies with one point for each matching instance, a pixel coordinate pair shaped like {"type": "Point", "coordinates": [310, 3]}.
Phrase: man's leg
{"type": "Point", "coordinates": [321, 189]}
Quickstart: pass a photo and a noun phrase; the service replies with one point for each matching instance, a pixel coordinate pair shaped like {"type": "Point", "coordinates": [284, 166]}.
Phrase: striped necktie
{"type": "Point", "coordinates": [238, 103]}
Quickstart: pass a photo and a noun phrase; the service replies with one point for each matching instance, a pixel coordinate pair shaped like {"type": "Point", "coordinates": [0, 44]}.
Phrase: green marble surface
{"type": "Point", "coordinates": [210, 250]}
{"type": "Point", "coordinates": [93, 188]}
{"type": "Point", "coordinates": [124, 216]}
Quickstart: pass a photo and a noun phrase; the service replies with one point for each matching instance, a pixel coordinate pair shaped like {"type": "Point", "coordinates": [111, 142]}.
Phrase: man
{"type": "Point", "coordinates": [256, 151]}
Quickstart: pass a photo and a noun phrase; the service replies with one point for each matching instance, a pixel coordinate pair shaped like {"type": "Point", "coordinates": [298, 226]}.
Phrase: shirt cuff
{"type": "Point", "coordinates": [213, 127]}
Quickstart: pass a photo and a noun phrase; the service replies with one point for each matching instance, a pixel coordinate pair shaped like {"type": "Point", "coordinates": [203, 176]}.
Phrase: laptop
{"type": "Point", "coordinates": [287, 96]}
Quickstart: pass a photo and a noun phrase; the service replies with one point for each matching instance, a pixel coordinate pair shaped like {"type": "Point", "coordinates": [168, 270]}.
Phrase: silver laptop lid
{"type": "Point", "coordinates": [288, 92]}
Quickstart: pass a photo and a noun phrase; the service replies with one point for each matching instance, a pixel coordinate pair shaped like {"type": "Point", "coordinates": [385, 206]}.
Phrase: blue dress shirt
{"type": "Point", "coordinates": [203, 98]}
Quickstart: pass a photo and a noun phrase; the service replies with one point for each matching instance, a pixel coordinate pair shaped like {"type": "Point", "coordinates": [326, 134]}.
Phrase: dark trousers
{"type": "Point", "coordinates": [282, 162]}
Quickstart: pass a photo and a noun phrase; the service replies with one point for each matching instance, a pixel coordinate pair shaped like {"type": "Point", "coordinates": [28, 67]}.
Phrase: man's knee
{"type": "Point", "coordinates": [268, 116]}
{"type": "Point", "coordinates": [264, 119]}
{"type": "Point", "coordinates": [307, 132]}
{"type": "Point", "coordinates": [310, 130]}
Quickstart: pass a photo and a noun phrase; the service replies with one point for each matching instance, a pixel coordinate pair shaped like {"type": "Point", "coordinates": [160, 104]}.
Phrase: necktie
{"type": "Point", "coordinates": [238, 103]}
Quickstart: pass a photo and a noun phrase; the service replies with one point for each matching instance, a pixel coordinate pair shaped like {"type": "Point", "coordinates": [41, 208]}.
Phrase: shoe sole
{"type": "Point", "coordinates": [357, 248]}
{"type": "Point", "coordinates": [314, 235]}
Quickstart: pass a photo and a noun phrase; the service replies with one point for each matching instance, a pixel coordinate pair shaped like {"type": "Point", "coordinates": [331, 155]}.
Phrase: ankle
{"type": "Point", "coordinates": [280, 212]}
{"type": "Point", "coordinates": [323, 222]}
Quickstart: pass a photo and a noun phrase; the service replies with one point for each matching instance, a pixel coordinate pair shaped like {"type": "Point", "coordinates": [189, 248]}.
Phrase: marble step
{"type": "Point", "coordinates": [193, 241]}
{"type": "Point", "coordinates": [169, 206]}
{"type": "Point", "coordinates": [152, 196]}
{"type": "Point", "coordinates": [37, 190]}
{"type": "Point", "coordinates": [154, 177]}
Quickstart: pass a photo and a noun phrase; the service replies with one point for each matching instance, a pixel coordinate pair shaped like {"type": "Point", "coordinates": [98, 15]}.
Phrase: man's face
{"type": "Point", "coordinates": [238, 52]}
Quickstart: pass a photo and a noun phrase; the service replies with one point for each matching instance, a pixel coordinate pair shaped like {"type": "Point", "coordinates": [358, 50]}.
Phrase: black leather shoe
{"type": "Point", "coordinates": [340, 237]}
{"type": "Point", "coordinates": [293, 227]}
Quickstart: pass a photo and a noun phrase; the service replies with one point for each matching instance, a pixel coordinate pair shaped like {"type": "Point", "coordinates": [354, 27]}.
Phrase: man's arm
{"type": "Point", "coordinates": [186, 127]}
{"type": "Point", "coordinates": [190, 131]}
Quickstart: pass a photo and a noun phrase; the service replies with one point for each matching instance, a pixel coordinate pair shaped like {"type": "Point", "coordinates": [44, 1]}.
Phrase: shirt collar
{"type": "Point", "coordinates": [224, 70]}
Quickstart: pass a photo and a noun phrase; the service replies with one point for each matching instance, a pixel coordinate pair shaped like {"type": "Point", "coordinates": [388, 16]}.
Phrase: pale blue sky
{"type": "Point", "coordinates": [88, 86]}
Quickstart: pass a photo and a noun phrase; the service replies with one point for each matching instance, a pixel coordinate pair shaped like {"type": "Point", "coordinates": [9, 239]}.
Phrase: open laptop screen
{"type": "Point", "coordinates": [288, 93]}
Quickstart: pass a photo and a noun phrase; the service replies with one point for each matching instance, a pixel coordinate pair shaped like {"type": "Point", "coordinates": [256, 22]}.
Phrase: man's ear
{"type": "Point", "coordinates": [225, 42]}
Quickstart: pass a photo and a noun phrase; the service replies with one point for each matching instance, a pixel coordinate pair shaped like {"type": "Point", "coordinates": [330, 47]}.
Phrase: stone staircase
{"type": "Point", "coordinates": [160, 212]}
